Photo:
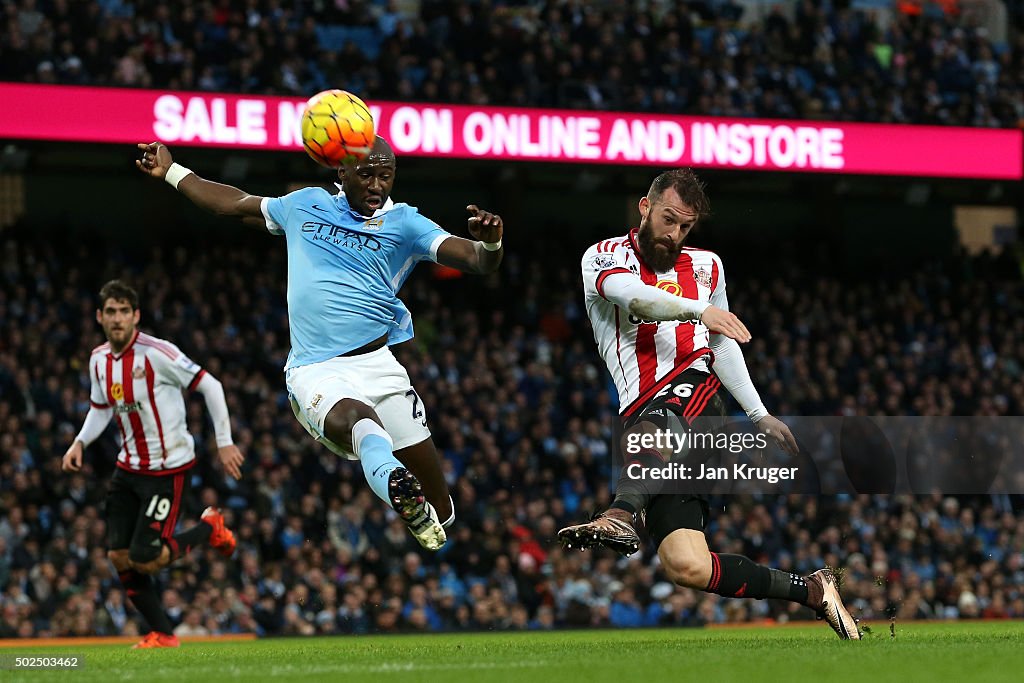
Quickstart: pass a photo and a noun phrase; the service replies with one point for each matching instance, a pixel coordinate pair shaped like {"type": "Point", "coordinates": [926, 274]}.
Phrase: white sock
{"type": "Point", "coordinates": [451, 519]}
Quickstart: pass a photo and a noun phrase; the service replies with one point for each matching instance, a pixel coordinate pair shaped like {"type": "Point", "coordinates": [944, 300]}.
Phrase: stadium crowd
{"type": "Point", "coordinates": [521, 406]}
{"type": "Point", "coordinates": [906, 61]}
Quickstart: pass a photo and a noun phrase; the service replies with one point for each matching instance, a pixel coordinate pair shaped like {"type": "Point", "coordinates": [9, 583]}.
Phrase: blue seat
{"type": "Point", "coordinates": [706, 36]}
{"type": "Point", "coordinates": [805, 78]}
{"type": "Point", "coordinates": [335, 37]}
{"type": "Point", "coordinates": [366, 38]}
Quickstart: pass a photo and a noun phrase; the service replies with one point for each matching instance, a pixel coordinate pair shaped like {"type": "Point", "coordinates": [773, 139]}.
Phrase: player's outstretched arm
{"type": "Point", "coordinates": [478, 257]}
{"type": "Point", "coordinates": [213, 393]}
{"type": "Point", "coordinates": [223, 200]}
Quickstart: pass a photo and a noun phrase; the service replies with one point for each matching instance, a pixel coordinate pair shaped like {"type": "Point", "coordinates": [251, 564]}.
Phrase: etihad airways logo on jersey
{"type": "Point", "coordinates": [339, 236]}
{"type": "Point", "coordinates": [670, 286]}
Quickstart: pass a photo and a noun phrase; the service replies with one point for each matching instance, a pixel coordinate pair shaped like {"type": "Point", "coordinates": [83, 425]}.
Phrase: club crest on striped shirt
{"type": "Point", "coordinates": [703, 277]}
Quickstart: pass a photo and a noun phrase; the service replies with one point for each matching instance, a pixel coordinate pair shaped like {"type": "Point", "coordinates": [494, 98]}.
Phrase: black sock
{"type": "Point", "coordinates": [736, 576]}
{"type": "Point", "coordinates": [633, 495]}
{"type": "Point", "coordinates": [182, 543]}
{"type": "Point", "coordinates": [141, 590]}
{"type": "Point", "coordinates": [786, 586]}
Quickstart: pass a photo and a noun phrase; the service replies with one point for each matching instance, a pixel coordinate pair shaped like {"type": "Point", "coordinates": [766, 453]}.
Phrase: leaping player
{"type": "Point", "coordinates": [348, 255]}
{"type": "Point", "coordinates": [139, 379]}
{"type": "Point", "coordinates": [661, 318]}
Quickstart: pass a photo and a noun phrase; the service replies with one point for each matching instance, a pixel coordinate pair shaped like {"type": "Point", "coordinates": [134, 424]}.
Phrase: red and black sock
{"type": "Point", "coordinates": [141, 590]}
{"type": "Point", "coordinates": [736, 576]}
{"type": "Point", "coordinates": [182, 543]}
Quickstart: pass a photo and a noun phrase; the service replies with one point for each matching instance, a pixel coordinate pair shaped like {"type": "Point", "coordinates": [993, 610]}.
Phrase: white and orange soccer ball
{"type": "Point", "coordinates": [337, 127]}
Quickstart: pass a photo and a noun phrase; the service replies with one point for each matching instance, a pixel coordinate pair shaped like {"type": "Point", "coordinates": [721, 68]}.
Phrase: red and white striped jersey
{"type": "Point", "coordinates": [142, 385]}
{"type": "Point", "coordinates": [644, 355]}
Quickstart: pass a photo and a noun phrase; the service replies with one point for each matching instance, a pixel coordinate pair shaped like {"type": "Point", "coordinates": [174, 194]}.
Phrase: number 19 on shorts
{"type": "Point", "coordinates": [158, 508]}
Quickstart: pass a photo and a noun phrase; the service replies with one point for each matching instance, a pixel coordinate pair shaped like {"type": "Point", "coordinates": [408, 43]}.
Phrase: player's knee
{"type": "Point", "coordinates": [147, 567]}
{"type": "Point", "coordinates": [120, 559]}
{"type": "Point", "coordinates": [683, 570]}
{"type": "Point", "coordinates": [343, 416]}
{"type": "Point", "coordinates": [145, 560]}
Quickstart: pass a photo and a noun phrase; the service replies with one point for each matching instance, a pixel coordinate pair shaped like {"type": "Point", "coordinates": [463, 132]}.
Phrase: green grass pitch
{"type": "Point", "coordinates": [919, 652]}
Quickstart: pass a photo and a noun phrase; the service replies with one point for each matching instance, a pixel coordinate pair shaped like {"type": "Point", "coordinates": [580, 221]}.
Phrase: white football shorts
{"type": "Point", "coordinates": [376, 379]}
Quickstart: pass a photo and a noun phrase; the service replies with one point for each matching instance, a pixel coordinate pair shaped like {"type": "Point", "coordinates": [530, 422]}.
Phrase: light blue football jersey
{"type": "Point", "coordinates": [344, 270]}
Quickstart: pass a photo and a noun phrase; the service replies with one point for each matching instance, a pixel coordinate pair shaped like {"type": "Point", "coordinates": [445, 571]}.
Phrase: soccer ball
{"type": "Point", "coordinates": [337, 127]}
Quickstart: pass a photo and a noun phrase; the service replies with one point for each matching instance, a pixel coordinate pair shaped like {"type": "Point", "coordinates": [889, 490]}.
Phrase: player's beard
{"type": "Point", "coordinates": [659, 260]}
{"type": "Point", "coordinates": [119, 338]}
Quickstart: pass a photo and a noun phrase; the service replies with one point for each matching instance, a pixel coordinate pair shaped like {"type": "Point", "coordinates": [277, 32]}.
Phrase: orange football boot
{"type": "Point", "coordinates": [157, 639]}
{"type": "Point", "coordinates": [222, 539]}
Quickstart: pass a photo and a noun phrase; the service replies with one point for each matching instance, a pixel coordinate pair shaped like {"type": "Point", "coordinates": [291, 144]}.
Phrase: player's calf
{"type": "Point", "coordinates": [733, 576]}
{"type": "Point", "coordinates": [686, 561]}
{"type": "Point", "coordinates": [423, 461]}
{"type": "Point", "coordinates": [687, 574]}
{"type": "Point", "coordinates": [142, 592]}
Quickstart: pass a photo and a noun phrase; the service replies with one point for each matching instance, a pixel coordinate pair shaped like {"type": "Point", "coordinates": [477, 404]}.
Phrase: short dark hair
{"type": "Point", "coordinates": [119, 291]}
{"type": "Point", "coordinates": [689, 187]}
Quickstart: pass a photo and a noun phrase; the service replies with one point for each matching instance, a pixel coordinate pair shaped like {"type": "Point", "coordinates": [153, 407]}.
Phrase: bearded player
{"type": "Point", "coordinates": [139, 379]}
{"type": "Point", "coordinates": [348, 255]}
{"type": "Point", "coordinates": [661, 320]}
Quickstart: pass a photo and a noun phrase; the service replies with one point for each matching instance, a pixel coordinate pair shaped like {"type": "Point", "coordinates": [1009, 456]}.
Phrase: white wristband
{"type": "Point", "coordinates": [492, 246]}
{"type": "Point", "coordinates": [176, 173]}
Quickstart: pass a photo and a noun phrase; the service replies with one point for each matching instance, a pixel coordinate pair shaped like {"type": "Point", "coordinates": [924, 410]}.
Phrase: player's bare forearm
{"type": "Point", "coordinates": [223, 200]}
{"type": "Point", "coordinates": [468, 256]}
{"type": "Point", "coordinates": [487, 261]}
